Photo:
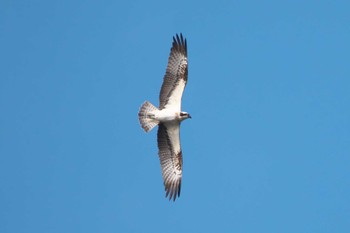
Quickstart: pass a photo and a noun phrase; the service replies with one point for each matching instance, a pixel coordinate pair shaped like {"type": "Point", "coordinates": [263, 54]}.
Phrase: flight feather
{"type": "Point", "coordinates": [170, 156]}
{"type": "Point", "coordinates": [175, 78]}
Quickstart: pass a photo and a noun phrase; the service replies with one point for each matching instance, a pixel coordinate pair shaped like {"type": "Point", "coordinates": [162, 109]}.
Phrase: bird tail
{"type": "Point", "coordinates": [146, 116]}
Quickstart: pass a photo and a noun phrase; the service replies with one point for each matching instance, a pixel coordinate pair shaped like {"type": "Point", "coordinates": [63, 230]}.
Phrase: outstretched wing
{"type": "Point", "coordinates": [175, 78]}
{"type": "Point", "coordinates": [170, 156]}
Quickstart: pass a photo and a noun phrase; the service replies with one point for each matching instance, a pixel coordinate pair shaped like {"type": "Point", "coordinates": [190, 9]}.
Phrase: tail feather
{"type": "Point", "coordinates": [146, 116]}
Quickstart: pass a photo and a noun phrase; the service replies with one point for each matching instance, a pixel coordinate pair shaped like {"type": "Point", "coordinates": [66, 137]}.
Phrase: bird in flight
{"type": "Point", "coordinates": [169, 116]}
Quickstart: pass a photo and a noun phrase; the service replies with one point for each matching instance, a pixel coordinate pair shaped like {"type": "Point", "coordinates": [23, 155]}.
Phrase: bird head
{"type": "Point", "coordinates": [184, 115]}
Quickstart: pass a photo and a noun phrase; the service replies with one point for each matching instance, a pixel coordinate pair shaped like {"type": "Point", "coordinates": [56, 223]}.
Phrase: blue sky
{"type": "Point", "coordinates": [267, 148]}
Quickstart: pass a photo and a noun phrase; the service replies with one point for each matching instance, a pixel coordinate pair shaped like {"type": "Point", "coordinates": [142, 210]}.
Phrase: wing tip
{"type": "Point", "coordinates": [173, 190]}
{"type": "Point", "coordinates": [180, 43]}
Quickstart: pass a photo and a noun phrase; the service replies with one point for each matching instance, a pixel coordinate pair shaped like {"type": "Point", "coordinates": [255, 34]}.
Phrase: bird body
{"type": "Point", "coordinates": [169, 116]}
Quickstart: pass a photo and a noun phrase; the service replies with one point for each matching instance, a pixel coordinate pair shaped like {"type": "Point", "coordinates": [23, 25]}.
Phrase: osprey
{"type": "Point", "coordinates": [169, 116]}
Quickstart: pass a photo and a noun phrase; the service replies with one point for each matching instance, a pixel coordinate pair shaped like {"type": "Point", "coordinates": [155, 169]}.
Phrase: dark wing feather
{"type": "Point", "coordinates": [170, 156]}
{"type": "Point", "coordinates": [175, 77]}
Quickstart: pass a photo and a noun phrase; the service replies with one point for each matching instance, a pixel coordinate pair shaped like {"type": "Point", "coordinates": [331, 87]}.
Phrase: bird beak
{"type": "Point", "coordinates": [189, 116]}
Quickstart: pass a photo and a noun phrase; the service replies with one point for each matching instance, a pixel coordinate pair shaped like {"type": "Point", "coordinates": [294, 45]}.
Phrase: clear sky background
{"type": "Point", "coordinates": [267, 148]}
